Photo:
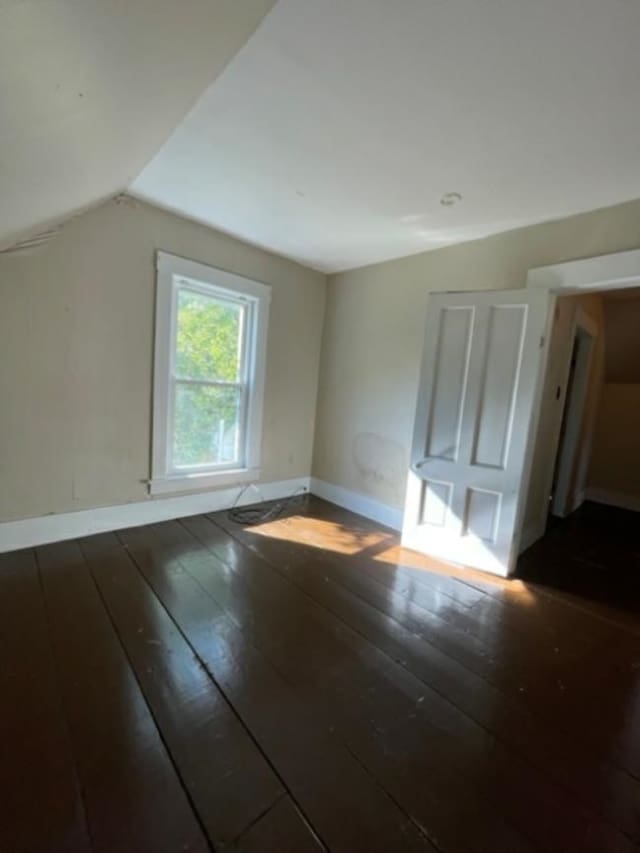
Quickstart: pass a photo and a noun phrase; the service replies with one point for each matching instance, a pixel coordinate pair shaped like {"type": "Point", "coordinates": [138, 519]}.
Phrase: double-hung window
{"type": "Point", "coordinates": [210, 348]}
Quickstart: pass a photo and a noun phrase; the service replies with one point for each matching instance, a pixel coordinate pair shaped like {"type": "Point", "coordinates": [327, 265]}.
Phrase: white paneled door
{"type": "Point", "coordinates": [476, 403]}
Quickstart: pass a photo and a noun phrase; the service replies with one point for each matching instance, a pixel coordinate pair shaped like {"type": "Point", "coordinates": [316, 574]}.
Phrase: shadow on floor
{"type": "Point", "coordinates": [594, 553]}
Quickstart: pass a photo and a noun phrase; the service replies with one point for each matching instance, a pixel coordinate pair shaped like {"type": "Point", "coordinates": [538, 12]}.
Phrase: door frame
{"type": "Point", "coordinates": [585, 328]}
{"type": "Point", "coordinates": [617, 271]}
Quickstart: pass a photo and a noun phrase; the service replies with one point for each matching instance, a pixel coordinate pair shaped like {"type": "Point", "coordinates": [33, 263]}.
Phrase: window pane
{"type": "Point", "coordinates": [206, 425]}
{"type": "Point", "coordinates": [208, 338]}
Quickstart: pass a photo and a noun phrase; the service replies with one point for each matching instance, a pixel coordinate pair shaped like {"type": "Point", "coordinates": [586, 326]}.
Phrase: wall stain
{"type": "Point", "coordinates": [381, 464]}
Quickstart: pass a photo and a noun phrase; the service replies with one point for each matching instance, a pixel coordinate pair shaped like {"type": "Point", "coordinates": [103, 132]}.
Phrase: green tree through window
{"type": "Point", "coordinates": [208, 389]}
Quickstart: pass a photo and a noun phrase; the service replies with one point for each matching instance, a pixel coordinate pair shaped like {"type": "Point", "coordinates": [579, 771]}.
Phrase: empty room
{"type": "Point", "coordinates": [319, 426]}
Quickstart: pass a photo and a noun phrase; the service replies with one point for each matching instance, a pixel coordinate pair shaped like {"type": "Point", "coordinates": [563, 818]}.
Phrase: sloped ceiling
{"type": "Point", "coordinates": [333, 135]}
{"type": "Point", "coordinates": [91, 89]}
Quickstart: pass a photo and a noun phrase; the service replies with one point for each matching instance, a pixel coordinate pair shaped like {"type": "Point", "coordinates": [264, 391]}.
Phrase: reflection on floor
{"type": "Point", "coordinates": [594, 553]}
{"type": "Point", "coordinates": [302, 685]}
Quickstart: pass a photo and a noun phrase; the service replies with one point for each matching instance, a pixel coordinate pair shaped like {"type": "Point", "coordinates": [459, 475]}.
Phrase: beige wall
{"type": "Point", "coordinates": [615, 461]}
{"type": "Point", "coordinates": [374, 329]}
{"type": "Point", "coordinates": [76, 330]}
{"type": "Point", "coordinates": [622, 321]}
{"type": "Point", "coordinates": [614, 471]}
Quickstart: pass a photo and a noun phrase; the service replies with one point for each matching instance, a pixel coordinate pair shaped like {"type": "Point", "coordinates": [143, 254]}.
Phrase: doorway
{"type": "Point", "coordinates": [485, 373]}
{"type": "Point", "coordinates": [590, 544]}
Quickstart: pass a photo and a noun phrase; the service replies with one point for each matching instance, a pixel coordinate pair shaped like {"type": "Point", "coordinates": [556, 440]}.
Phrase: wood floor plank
{"type": "Point", "coordinates": [231, 784]}
{"type": "Point", "coordinates": [133, 797]}
{"type": "Point", "coordinates": [363, 543]}
{"type": "Point", "coordinates": [500, 769]}
{"type": "Point", "coordinates": [344, 804]}
{"type": "Point", "coordinates": [509, 609]}
{"type": "Point", "coordinates": [522, 605]}
{"type": "Point", "coordinates": [40, 802]}
{"type": "Point", "coordinates": [605, 790]}
{"type": "Point", "coordinates": [558, 693]}
{"type": "Point", "coordinates": [579, 555]}
{"type": "Point", "coordinates": [554, 678]}
{"type": "Point", "coordinates": [307, 685]}
{"type": "Point", "coordinates": [522, 665]}
{"type": "Point", "coordinates": [606, 785]}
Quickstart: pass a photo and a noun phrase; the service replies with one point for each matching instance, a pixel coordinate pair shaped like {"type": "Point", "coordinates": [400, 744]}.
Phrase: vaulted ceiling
{"type": "Point", "coordinates": [90, 90]}
{"type": "Point", "coordinates": [339, 133]}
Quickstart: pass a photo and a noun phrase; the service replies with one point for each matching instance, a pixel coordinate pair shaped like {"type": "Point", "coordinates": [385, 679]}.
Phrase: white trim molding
{"type": "Point", "coordinates": [617, 271]}
{"type": "Point", "coordinates": [201, 481]}
{"type": "Point", "coordinates": [390, 516]}
{"type": "Point", "coordinates": [42, 530]}
{"type": "Point", "coordinates": [619, 499]}
{"type": "Point", "coordinates": [584, 330]}
{"type": "Point", "coordinates": [604, 272]}
{"type": "Point", "coordinates": [29, 532]}
{"type": "Point", "coordinates": [251, 299]}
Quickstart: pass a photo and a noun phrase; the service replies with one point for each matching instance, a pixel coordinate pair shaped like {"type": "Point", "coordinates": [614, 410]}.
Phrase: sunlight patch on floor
{"type": "Point", "coordinates": [384, 547]}
{"type": "Point", "coordinates": [399, 556]}
{"type": "Point", "coordinates": [320, 533]}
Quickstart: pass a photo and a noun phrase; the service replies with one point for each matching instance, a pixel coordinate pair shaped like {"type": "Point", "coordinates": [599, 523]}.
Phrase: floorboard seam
{"type": "Point", "coordinates": [375, 779]}
{"type": "Point", "coordinates": [61, 704]}
{"type": "Point", "coordinates": [399, 662]}
{"type": "Point", "coordinates": [210, 675]}
{"type": "Point", "coordinates": [161, 736]}
{"type": "Point", "coordinates": [258, 818]}
{"type": "Point", "coordinates": [433, 842]}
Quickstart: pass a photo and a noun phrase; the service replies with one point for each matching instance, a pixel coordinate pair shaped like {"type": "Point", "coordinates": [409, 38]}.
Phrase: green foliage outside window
{"type": "Point", "coordinates": [208, 342]}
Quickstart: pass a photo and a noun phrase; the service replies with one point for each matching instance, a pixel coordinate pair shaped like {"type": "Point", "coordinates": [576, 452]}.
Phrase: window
{"type": "Point", "coordinates": [209, 376]}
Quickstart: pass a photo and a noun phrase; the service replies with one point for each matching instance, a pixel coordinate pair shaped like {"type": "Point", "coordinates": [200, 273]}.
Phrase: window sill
{"type": "Point", "coordinates": [202, 481]}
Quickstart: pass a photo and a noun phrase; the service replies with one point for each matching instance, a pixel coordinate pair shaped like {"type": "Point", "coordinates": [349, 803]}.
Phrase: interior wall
{"type": "Point", "coordinates": [622, 323]}
{"type": "Point", "coordinates": [374, 330]}
{"type": "Point", "coordinates": [614, 471]}
{"type": "Point", "coordinates": [76, 329]}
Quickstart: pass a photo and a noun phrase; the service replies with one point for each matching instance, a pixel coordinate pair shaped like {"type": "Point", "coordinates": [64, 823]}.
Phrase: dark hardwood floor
{"type": "Point", "coordinates": [594, 553]}
{"type": "Point", "coordinates": [305, 684]}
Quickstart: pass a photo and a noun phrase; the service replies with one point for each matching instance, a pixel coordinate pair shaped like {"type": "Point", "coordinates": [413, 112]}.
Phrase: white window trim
{"type": "Point", "coordinates": [170, 268]}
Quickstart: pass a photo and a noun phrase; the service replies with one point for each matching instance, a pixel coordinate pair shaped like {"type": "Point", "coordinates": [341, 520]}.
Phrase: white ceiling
{"type": "Point", "coordinates": [334, 132]}
{"type": "Point", "coordinates": [90, 89]}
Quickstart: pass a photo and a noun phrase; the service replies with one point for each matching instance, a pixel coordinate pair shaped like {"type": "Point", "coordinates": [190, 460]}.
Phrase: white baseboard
{"type": "Point", "coordinates": [29, 532]}
{"type": "Point", "coordinates": [360, 504]}
{"type": "Point", "coordinates": [619, 499]}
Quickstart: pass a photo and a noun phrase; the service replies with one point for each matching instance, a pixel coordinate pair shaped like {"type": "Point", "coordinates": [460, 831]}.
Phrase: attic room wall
{"type": "Point", "coordinates": [373, 338]}
{"type": "Point", "coordinates": [76, 326]}
{"type": "Point", "coordinates": [614, 472]}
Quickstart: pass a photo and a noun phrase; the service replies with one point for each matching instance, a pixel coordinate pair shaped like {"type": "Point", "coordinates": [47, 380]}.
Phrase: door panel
{"type": "Point", "coordinates": [480, 371]}
{"type": "Point", "coordinates": [497, 400]}
{"type": "Point", "coordinates": [436, 502]}
{"type": "Point", "coordinates": [451, 373]}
